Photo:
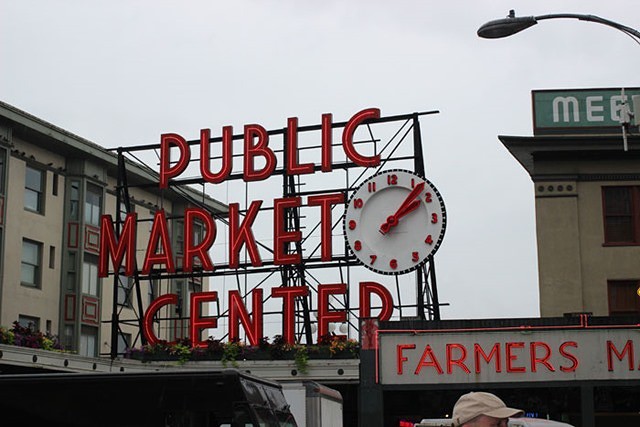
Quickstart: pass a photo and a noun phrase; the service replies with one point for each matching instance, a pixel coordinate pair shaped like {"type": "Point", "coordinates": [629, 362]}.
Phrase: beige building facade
{"type": "Point", "coordinates": [54, 186]}
{"type": "Point", "coordinates": [587, 204]}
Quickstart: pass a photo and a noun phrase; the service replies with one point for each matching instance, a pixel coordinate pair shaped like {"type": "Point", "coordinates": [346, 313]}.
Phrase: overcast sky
{"type": "Point", "coordinates": [123, 72]}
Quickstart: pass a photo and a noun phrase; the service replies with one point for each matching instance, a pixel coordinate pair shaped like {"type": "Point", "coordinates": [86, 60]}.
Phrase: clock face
{"type": "Point", "coordinates": [394, 222]}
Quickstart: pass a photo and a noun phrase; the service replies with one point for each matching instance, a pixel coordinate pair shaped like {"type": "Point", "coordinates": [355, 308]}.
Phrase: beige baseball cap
{"type": "Point", "coordinates": [478, 403]}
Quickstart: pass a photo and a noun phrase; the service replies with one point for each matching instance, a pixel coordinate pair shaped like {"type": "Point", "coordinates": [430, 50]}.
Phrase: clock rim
{"type": "Point", "coordinates": [436, 244]}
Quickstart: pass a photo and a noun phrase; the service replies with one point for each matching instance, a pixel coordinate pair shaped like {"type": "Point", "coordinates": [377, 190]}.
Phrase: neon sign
{"type": "Point", "coordinates": [259, 163]}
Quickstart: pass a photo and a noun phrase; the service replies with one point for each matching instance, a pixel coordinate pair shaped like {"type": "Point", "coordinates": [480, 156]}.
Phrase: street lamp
{"type": "Point", "coordinates": [513, 24]}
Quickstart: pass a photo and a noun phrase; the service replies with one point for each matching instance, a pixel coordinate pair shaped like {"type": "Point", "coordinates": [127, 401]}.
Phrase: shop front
{"type": "Point", "coordinates": [580, 369]}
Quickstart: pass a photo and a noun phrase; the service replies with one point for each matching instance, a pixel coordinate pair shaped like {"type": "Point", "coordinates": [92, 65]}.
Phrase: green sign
{"type": "Point", "coordinates": [570, 111]}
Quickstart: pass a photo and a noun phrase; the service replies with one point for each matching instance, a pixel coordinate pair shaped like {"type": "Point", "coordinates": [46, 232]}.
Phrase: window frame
{"type": "Point", "coordinates": [634, 195]}
{"type": "Point", "coordinates": [124, 342]}
{"type": "Point", "coordinates": [3, 171]}
{"type": "Point", "coordinates": [153, 288]}
{"type": "Point", "coordinates": [125, 288]}
{"type": "Point", "coordinates": [633, 296]}
{"type": "Point", "coordinates": [85, 338]}
{"type": "Point", "coordinates": [39, 209]}
{"type": "Point", "coordinates": [74, 200]}
{"type": "Point", "coordinates": [37, 284]}
{"type": "Point", "coordinates": [93, 211]}
{"type": "Point", "coordinates": [26, 321]}
{"type": "Point", "coordinates": [179, 231]}
{"type": "Point", "coordinates": [89, 267]}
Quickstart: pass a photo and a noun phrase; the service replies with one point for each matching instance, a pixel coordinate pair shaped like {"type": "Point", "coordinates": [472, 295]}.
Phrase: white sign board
{"type": "Point", "coordinates": [446, 357]}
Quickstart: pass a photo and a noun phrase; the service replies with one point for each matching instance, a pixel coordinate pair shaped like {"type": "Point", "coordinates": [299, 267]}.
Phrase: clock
{"type": "Point", "coordinates": [394, 221]}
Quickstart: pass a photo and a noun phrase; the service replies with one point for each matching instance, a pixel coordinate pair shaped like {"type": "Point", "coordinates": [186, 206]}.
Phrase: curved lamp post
{"type": "Point", "coordinates": [513, 24]}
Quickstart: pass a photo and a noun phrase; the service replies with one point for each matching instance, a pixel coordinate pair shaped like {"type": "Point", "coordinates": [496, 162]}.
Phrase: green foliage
{"type": "Point", "coordinates": [182, 352]}
{"type": "Point", "coordinates": [231, 352]}
{"type": "Point", "coordinates": [301, 359]}
{"type": "Point", "coordinates": [6, 336]}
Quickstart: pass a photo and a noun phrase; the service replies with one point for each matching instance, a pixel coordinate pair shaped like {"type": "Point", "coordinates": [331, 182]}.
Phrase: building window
{"type": "Point", "coordinates": [90, 275]}
{"type": "Point", "coordinates": [31, 262]}
{"type": "Point", "coordinates": [74, 200]}
{"type": "Point", "coordinates": [71, 282]}
{"type": "Point", "coordinates": [198, 232]}
{"type": "Point", "coordinates": [192, 287]}
{"type": "Point", "coordinates": [3, 170]}
{"type": "Point", "coordinates": [30, 322]}
{"type": "Point", "coordinates": [34, 185]}
{"type": "Point", "coordinates": [93, 205]}
{"type": "Point", "coordinates": [125, 285]}
{"type": "Point", "coordinates": [621, 205]}
{"type": "Point", "coordinates": [54, 190]}
{"type": "Point", "coordinates": [153, 289]}
{"type": "Point", "coordinates": [68, 337]}
{"type": "Point", "coordinates": [178, 289]}
{"type": "Point", "coordinates": [196, 237]}
{"type": "Point", "coordinates": [623, 297]}
{"type": "Point", "coordinates": [52, 257]}
{"type": "Point", "coordinates": [179, 237]}
{"type": "Point", "coordinates": [124, 342]}
{"type": "Point", "coordinates": [123, 210]}
{"type": "Point", "coordinates": [179, 324]}
{"type": "Point", "coordinates": [89, 341]}
{"type": "Point", "coordinates": [71, 274]}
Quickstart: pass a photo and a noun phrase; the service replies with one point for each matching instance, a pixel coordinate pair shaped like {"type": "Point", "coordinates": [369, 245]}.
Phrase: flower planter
{"type": "Point", "coordinates": [234, 351]}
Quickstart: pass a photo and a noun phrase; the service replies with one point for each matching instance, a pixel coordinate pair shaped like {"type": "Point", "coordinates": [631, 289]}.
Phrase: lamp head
{"type": "Point", "coordinates": [506, 27]}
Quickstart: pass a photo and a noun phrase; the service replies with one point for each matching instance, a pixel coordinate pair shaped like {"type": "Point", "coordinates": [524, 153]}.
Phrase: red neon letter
{"type": "Point", "coordinates": [459, 361]}
{"type": "Point", "coordinates": [495, 352]}
{"type": "Point", "coordinates": [326, 202]}
{"type": "Point", "coordinates": [282, 237]}
{"type": "Point", "coordinates": [368, 288]}
{"type": "Point", "coordinates": [242, 234]}
{"type": "Point", "coordinates": [260, 148]}
{"type": "Point", "coordinates": [198, 323]}
{"type": "Point", "coordinates": [288, 294]}
{"type": "Point", "coordinates": [544, 359]}
{"type": "Point", "coordinates": [428, 359]}
{"type": "Point", "coordinates": [166, 170]}
{"type": "Point", "coordinates": [400, 358]}
{"type": "Point", "coordinates": [227, 155]}
{"type": "Point", "coordinates": [327, 143]}
{"type": "Point", "coordinates": [293, 167]}
{"type": "Point", "coordinates": [159, 233]}
{"type": "Point", "coordinates": [126, 243]}
{"type": "Point", "coordinates": [347, 138]}
{"type": "Point", "coordinates": [571, 357]}
{"type": "Point", "coordinates": [510, 346]}
{"type": "Point", "coordinates": [238, 315]}
{"type": "Point", "coordinates": [156, 304]}
{"type": "Point", "coordinates": [627, 350]}
{"type": "Point", "coordinates": [200, 250]}
{"type": "Point", "coordinates": [326, 316]}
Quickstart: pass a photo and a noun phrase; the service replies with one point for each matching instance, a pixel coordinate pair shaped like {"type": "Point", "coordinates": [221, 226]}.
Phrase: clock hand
{"type": "Point", "coordinates": [392, 220]}
{"type": "Point", "coordinates": [408, 205]}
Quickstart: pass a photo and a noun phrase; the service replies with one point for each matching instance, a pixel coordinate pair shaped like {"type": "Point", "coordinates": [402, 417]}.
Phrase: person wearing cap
{"type": "Point", "coordinates": [480, 409]}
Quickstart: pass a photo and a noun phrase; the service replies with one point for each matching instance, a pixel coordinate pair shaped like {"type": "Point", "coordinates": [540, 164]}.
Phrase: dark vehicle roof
{"type": "Point", "coordinates": [130, 399]}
